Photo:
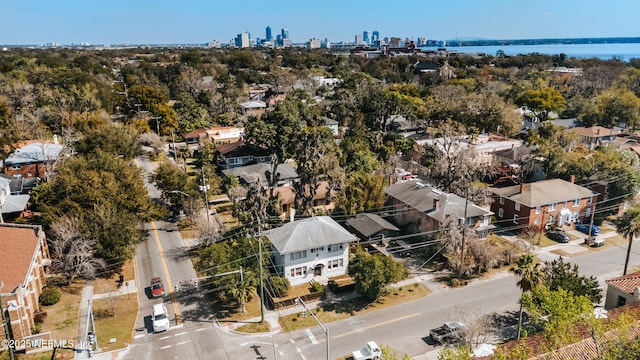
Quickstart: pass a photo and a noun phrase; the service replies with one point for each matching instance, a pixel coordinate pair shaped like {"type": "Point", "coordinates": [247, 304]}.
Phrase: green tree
{"type": "Point", "coordinates": [275, 130]}
{"type": "Point", "coordinates": [243, 292]}
{"type": "Point", "coordinates": [541, 101]}
{"type": "Point", "coordinates": [456, 353]}
{"type": "Point", "coordinates": [613, 107]}
{"type": "Point", "coordinates": [558, 310]}
{"type": "Point", "coordinates": [561, 275]}
{"type": "Point", "coordinates": [530, 276]}
{"type": "Point", "coordinates": [373, 273]}
{"type": "Point", "coordinates": [117, 141]}
{"type": "Point", "coordinates": [171, 180]}
{"type": "Point", "coordinates": [629, 226]}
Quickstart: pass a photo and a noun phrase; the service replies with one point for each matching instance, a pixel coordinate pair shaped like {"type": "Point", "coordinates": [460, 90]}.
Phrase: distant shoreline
{"type": "Point", "coordinates": [558, 41]}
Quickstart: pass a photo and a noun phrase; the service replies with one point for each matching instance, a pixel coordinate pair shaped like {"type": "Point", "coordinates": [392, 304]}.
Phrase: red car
{"type": "Point", "coordinates": [157, 289]}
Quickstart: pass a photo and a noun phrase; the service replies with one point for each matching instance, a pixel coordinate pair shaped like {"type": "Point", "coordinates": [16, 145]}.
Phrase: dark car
{"type": "Point", "coordinates": [584, 228]}
{"type": "Point", "coordinates": [559, 236]}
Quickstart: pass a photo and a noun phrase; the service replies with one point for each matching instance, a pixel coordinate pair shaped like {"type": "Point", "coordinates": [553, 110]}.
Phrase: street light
{"type": "Point", "coordinates": [306, 310]}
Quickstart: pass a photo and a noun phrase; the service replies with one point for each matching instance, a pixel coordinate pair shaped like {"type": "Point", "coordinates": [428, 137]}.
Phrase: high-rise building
{"type": "Point", "coordinates": [325, 44]}
{"type": "Point", "coordinates": [285, 33]}
{"type": "Point", "coordinates": [313, 44]}
{"type": "Point", "coordinates": [365, 37]}
{"type": "Point", "coordinates": [268, 33]}
{"type": "Point", "coordinates": [242, 40]}
{"type": "Point", "coordinates": [375, 36]}
{"type": "Point", "coordinates": [358, 39]}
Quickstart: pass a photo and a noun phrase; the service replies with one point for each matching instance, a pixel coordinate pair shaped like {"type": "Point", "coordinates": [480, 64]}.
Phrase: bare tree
{"type": "Point", "coordinates": [72, 253]}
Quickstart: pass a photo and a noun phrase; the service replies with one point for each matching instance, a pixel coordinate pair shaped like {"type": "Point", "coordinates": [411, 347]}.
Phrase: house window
{"type": "Point", "coordinates": [538, 209]}
{"type": "Point", "coordinates": [550, 219]}
{"type": "Point", "coordinates": [501, 200]}
{"type": "Point", "coordinates": [299, 272]}
{"type": "Point", "coordinates": [517, 206]}
{"type": "Point", "coordinates": [576, 202]}
{"type": "Point", "coordinates": [590, 200]}
{"type": "Point", "coordinates": [333, 264]}
{"type": "Point", "coordinates": [334, 247]}
{"type": "Point", "coordinates": [15, 166]}
{"type": "Point", "coordinates": [552, 207]}
{"type": "Point", "coordinates": [500, 212]}
{"type": "Point", "coordinates": [536, 222]}
{"type": "Point", "coordinates": [621, 300]}
{"type": "Point", "coordinates": [318, 249]}
{"type": "Point", "coordinates": [588, 212]}
{"type": "Point", "coordinates": [515, 219]}
{"type": "Point", "coordinates": [298, 255]}
{"type": "Point", "coordinates": [575, 216]}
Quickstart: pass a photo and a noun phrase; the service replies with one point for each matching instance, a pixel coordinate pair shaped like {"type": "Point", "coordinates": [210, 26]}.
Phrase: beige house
{"type": "Point", "coordinates": [24, 258]}
{"type": "Point", "coordinates": [623, 290]}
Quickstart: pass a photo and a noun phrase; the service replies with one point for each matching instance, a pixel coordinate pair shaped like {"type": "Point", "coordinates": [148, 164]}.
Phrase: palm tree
{"type": "Point", "coordinates": [242, 293]}
{"type": "Point", "coordinates": [629, 225]}
{"type": "Point", "coordinates": [531, 275]}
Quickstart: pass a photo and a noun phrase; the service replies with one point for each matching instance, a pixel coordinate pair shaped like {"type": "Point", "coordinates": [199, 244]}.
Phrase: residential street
{"type": "Point", "coordinates": [194, 333]}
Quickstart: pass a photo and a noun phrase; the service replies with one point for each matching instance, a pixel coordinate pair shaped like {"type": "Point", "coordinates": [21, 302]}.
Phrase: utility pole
{"type": "Point", "coordinates": [261, 279]}
{"type": "Point", "coordinates": [204, 189]}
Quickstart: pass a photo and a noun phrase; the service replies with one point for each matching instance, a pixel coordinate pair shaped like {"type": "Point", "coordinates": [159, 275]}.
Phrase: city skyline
{"type": "Point", "coordinates": [39, 22]}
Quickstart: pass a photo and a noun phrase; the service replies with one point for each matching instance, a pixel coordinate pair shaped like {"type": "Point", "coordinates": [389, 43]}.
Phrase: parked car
{"type": "Point", "coordinates": [584, 228]}
{"type": "Point", "coordinates": [157, 288]}
{"type": "Point", "coordinates": [559, 236]}
{"type": "Point", "coordinates": [450, 332]}
{"type": "Point", "coordinates": [160, 318]}
{"type": "Point", "coordinates": [594, 241]}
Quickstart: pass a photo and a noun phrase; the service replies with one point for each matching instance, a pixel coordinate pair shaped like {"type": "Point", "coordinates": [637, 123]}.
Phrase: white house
{"type": "Point", "coordinates": [315, 248]}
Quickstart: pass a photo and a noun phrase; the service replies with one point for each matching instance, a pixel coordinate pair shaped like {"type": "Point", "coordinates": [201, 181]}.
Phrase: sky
{"type": "Point", "coordinates": [37, 22]}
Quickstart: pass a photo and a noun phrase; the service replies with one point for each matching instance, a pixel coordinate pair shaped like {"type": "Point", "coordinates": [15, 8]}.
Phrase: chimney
{"type": "Point", "coordinates": [572, 179]}
{"type": "Point", "coordinates": [597, 131]}
{"type": "Point", "coordinates": [292, 214]}
{"type": "Point", "coordinates": [521, 188]}
{"type": "Point", "coordinates": [436, 203]}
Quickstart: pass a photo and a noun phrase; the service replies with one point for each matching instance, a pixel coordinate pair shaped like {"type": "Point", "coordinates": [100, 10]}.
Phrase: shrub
{"type": "Point", "coordinates": [39, 317]}
{"type": "Point", "coordinates": [280, 285]}
{"type": "Point", "coordinates": [317, 287]}
{"type": "Point", "coordinates": [49, 296]}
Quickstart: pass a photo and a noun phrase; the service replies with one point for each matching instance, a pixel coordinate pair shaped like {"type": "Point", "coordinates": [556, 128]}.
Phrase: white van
{"type": "Point", "coordinates": [160, 318]}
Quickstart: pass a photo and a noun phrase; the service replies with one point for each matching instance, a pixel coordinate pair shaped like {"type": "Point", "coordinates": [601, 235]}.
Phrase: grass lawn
{"type": "Point", "coordinates": [337, 311]}
{"type": "Point", "coordinates": [110, 284]}
{"type": "Point", "coordinates": [115, 318]}
{"type": "Point", "coordinates": [229, 311]}
{"type": "Point", "coordinates": [61, 321]}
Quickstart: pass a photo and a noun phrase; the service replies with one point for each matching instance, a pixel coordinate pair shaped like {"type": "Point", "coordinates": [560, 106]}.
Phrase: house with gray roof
{"type": "Point", "coordinates": [33, 160]}
{"type": "Point", "coordinates": [371, 227]}
{"type": "Point", "coordinates": [246, 174]}
{"type": "Point", "coordinates": [11, 205]}
{"type": "Point", "coordinates": [420, 207]}
{"type": "Point", "coordinates": [315, 248]}
{"type": "Point", "coordinates": [553, 202]}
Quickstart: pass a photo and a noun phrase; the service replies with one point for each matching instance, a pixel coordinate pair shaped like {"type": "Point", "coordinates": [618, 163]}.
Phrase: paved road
{"type": "Point", "coordinates": [192, 334]}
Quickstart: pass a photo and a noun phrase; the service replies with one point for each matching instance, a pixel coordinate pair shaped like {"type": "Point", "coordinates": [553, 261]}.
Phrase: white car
{"type": "Point", "coordinates": [160, 318]}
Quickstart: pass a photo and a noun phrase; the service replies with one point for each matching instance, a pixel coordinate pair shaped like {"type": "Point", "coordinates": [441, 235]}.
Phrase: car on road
{"type": "Point", "coordinates": [160, 318]}
{"type": "Point", "coordinates": [559, 236]}
{"type": "Point", "coordinates": [584, 228]}
{"type": "Point", "coordinates": [449, 332]}
{"type": "Point", "coordinates": [370, 352]}
{"type": "Point", "coordinates": [156, 286]}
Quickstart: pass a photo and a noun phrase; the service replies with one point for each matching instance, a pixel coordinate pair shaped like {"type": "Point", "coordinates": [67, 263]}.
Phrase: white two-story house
{"type": "Point", "coordinates": [315, 248]}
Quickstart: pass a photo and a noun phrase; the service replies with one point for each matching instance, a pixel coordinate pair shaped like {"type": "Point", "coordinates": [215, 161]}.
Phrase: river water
{"type": "Point", "coordinates": [622, 52]}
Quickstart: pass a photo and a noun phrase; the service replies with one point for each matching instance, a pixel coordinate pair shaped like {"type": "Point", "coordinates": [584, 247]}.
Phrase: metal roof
{"type": "Point", "coordinates": [308, 233]}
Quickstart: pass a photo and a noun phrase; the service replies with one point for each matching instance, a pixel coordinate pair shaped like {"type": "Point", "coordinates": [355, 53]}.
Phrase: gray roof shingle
{"type": "Point", "coordinates": [544, 192]}
{"type": "Point", "coordinates": [307, 234]}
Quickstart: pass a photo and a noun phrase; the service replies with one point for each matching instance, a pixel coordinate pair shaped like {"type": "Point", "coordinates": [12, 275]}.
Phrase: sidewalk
{"type": "Point", "coordinates": [81, 339]}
